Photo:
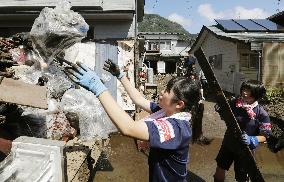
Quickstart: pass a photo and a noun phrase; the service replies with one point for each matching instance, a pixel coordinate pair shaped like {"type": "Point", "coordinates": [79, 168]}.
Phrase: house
{"type": "Point", "coordinates": [277, 18]}
{"type": "Point", "coordinates": [244, 49]}
{"type": "Point", "coordinates": [113, 28]}
{"type": "Point", "coordinates": [107, 18]}
{"type": "Point", "coordinates": [163, 50]}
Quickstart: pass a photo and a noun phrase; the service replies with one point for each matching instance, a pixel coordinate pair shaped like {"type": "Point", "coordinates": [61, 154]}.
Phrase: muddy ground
{"type": "Point", "coordinates": [125, 163]}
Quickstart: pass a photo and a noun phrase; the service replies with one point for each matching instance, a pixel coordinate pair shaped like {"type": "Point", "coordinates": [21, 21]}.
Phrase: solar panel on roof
{"type": "Point", "coordinates": [250, 25]}
{"type": "Point", "coordinates": [268, 24]}
{"type": "Point", "coordinates": [230, 25]}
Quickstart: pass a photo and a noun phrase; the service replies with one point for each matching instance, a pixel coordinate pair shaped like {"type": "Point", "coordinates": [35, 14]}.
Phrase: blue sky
{"type": "Point", "coordinates": [192, 14]}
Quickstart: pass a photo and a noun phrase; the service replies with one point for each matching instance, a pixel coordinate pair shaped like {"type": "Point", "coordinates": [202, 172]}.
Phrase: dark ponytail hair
{"type": "Point", "coordinates": [188, 91]}
{"type": "Point", "coordinates": [256, 87]}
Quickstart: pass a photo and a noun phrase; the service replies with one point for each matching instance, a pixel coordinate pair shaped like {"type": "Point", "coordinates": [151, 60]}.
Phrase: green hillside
{"type": "Point", "coordinates": [156, 23]}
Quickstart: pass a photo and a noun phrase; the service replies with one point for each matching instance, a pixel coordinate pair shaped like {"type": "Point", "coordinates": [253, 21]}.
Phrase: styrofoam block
{"type": "Point", "coordinates": [34, 160]}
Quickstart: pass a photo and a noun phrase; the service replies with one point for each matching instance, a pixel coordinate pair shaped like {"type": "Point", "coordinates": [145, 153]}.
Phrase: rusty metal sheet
{"type": "Point", "coordinates": [18, 92]}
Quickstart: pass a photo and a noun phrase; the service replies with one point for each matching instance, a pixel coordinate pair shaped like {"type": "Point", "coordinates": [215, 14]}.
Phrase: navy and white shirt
{"type": "Point", "coordinates": [169, 139]}
{"type": "Point", "coordinates": [258, 125]}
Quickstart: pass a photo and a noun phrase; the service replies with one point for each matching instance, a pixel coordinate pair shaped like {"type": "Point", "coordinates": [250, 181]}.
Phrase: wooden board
{"type": "Point", "coordinates": [18, 92]}
{"type": "Point", "coordinates": [233, 127]}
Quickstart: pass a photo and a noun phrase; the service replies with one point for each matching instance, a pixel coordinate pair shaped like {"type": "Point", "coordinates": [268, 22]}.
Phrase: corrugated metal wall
{"type": "Point", "coordinates": [105, 51]}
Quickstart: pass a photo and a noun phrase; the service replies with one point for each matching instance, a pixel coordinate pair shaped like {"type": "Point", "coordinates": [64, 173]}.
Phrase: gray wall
{"type": "Point", "coordinates": [214, 46]}
{"type": "Point", "coordinates": [107, 5]}
{"type": "Point", "coordinates": [114, 29]}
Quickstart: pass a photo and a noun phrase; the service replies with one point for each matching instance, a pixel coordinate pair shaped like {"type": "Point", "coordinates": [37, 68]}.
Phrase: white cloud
{"type": "Point", "coordinates": [238, 12]}
{"type": "Point", "coordinates": [207, 11]}
{"type": "Point", "coordinates": [180, 19]}
{"type": "Point", "coordinates": [243, 13]}
{"type": "Point", "coordinates": [147, 11]}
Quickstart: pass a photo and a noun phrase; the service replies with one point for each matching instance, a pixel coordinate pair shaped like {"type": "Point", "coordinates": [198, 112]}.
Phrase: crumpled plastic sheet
{"type": "Point", "coordinates": [82, 52]}
{"type": "Point", "coordinates": [63, 98]}
{"type": "Point", "coordinates": [56, 29]}
{"type": "Point", "coordinates": [51, 123]}
{"type": "Point", "coordinates": [27, 74]}
{"type": "Point", "coordinates": [58, 83]}
{"type": "Point", "coordinates": [93, 121]}
{"type": "Point", "coordinates": [35, 122]}
{"type": "Point", "coordinates": [58, 127]}
{"type": "Point", "coordinates": [42, 123]}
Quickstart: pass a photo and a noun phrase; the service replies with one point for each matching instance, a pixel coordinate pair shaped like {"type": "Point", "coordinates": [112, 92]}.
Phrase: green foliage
{"type": "Point", "coordinates": [274, 95]}
{"type": "Point", "coordinates": [156, 23]}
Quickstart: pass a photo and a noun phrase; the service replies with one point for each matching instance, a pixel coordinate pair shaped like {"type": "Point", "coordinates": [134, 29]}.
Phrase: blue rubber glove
{"type": "Point", "coordinates": [251, 141]}
{"type": "Point", "coordinates": [113, 68]}
{"type": "Point", "coordinates": [87, 78]}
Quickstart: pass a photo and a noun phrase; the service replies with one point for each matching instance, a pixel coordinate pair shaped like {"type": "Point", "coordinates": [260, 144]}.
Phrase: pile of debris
{"type": "Point", "coordinates": [43, 102]}
{"type": "Point", "coordinates": [12, 52]}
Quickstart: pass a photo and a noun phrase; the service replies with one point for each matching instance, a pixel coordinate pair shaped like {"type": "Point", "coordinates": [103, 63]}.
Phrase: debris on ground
{"type": "Point", "coordinates": [29, 58]}
{"type": "Point", "coordinates": [82, 157]}
{"type": "Point", "coordinates": [68, 27]}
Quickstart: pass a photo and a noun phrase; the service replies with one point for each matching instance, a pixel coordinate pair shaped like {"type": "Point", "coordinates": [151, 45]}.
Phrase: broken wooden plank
{"type": "Point", "coordinates": [18, 92]}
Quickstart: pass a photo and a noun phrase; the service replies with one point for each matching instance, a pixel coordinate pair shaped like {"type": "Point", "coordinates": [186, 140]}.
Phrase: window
{"type": "Point", "coordinates": [158, 45]}
{"type": "Point", "coordinates": [216, 61]}
{"type": "Point", "coordinates": [244, 62]}
{"type": "Point", "coordinates": [253, 61]}
{"type": "Point", "coordinates": [249, 61]}
{"type": "Point", "coordinates": [153, 46]}
{"type": "Point", "coordinates": [162, 45]}
{"type": "Point", "coordinates": [165, 45]}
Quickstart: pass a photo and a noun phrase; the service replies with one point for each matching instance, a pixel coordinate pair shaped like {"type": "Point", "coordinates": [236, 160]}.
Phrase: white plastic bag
{"type": "Point", "coordinates": [56, 29]}
{"type": "Point", "coordinates": [93, 121]}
